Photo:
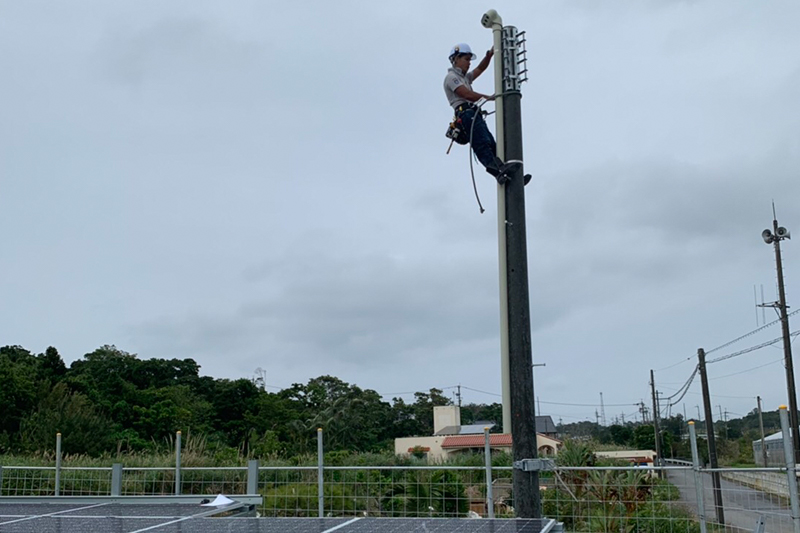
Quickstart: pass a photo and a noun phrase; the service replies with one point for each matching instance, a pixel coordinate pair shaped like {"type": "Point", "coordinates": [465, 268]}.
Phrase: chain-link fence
{"type": "Point", "coordinates": [675, 497]}
{"type": "Point", "coordinates": [613, 499]}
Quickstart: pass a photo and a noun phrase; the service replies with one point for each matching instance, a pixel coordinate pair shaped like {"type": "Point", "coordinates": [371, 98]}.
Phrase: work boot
{"type": "Point", "coordinates": [495, 170]}
{"type": "Point", "coordinates": [504, 175]}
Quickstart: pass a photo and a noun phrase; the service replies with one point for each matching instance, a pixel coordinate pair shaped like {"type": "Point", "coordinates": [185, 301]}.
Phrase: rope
{"type": "Point", "coordinates": [471, 152]}
{"type": "Point", "coordinates": [472, 170]}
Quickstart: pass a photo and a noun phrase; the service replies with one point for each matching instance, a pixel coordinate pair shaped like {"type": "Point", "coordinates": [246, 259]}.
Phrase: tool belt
{"type": "Point", "coordinates": [456, 131]}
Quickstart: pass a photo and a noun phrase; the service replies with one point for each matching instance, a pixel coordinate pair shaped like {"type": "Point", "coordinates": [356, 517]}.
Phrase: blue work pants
{"type": "Point", "coordinates": [483, 143]}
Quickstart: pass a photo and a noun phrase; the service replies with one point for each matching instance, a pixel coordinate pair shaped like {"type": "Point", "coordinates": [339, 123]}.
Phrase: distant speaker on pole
{"type": "Point", "coordinates": [767, 236]}
{"type": "Point", "coordinates": [783, 233]}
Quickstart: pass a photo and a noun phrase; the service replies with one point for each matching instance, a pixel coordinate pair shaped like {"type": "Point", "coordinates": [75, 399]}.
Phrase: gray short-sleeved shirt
{"type": "Point", "coordinates": [455, 78]}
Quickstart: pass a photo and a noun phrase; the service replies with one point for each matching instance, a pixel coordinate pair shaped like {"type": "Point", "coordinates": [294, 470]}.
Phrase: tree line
{"type": "Point", "coordinates": [113, 401]}
{"type": "Point", "coordinates": [734, 437]}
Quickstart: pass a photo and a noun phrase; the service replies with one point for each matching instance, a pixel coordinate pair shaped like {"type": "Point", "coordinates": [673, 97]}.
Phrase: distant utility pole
{"type": "Point", "coordinates": [655, 419]}
{"type": "Point", "coordinates": [515, 320]}
{"type": "Point", "coordinates": [724, 421]}
{"type": "Point", "coordinates": [602, 410]}
{"type": "Point", "coordinates": [643, 411]}
{"type": "Point", "coordinates": [712, 443]}
{"type": "Point", "coordinates": [761, 427]}
{"type": "Point", "coordinates": [775, 237]}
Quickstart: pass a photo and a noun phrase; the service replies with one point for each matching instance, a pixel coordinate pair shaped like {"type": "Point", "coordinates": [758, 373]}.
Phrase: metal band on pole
{"type": "Point", "coordinates": [698, 482]}
{"type": "Point", "coordinates": [487, 452]}
{"type": "Point", "coordinates": [791, 467]}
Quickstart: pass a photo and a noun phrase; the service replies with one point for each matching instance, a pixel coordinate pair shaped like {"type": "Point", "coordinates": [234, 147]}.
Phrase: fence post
{"type": "Point", "coordinates": [178, 463]}
{"type": "Point", "coordinates": [58, 464]}
{"type": "Point", "coordinates": [252, 476]}
{"type": "Point", "coordinates": [698, 482]}
{"type": "Point", "coordinates": [320, 494]}
{"type": "Point", "coordinates": [1, 480]}
{"type": "Point", "coordinates": [791, 467]}
{"type": "Point", "coordinates": [487, 452]}
{"type": "Point", "coordinates": [116, 479]}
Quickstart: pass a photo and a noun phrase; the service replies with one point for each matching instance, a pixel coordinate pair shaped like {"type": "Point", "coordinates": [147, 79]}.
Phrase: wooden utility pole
{"type": "Point", "coordinates": [761, 427]}
{"type": "Point", "coordinates": [655, 418]}
{"type": "Point", "coordinates": [712, 445]}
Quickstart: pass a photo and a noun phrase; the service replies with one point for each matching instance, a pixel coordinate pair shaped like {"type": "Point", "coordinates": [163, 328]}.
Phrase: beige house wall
{"type": "Point", "coordinates": [547, 446]}
{"type": "Point", "coordinates": [401, 446]}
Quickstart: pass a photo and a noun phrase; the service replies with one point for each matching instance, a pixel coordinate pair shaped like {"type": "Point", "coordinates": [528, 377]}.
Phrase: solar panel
{"type": "Point", "coordinates": [115, 517]}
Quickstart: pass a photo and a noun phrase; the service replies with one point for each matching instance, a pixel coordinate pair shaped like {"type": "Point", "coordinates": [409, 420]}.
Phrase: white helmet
{"type": "Point", "coordinates": [462, 48]}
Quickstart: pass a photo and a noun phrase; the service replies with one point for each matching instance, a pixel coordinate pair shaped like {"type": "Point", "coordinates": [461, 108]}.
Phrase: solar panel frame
{"type": "Point", "coordinates": [170, 517]}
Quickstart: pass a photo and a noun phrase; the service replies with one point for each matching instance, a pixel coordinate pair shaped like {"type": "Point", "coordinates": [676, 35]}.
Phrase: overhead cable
{"type": "Point", "coordinates": [751, 349]}
{"type": "Point", "coordinates": [748, 370]}
{"type": "Point", "coordinates": [751, 333]}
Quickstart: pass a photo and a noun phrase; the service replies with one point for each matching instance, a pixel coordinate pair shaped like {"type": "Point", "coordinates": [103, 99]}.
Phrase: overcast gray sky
{"type": "Point", "coordinates": [261, 184]}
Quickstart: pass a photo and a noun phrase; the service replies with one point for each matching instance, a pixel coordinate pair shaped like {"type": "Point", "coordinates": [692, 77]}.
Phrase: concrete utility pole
{"type": "Point", "coordinates": [712, 443]}
{"type": "Point", "coordinates": [775, 237]}
{"type": "Point", "coordinates": [527, 501]}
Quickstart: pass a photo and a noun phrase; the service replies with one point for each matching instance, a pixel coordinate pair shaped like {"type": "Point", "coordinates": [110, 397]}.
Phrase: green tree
{"type": "Point", "coordinates": [423, 408]}
{"type": "Point", "coordinates": [83, 429]}
{"type": "Point", "coordinates": [644, 437]}
{"type": "Point", "coordinates": [18, 392]}
{"type": "Point", "coordinates": [621, 435]}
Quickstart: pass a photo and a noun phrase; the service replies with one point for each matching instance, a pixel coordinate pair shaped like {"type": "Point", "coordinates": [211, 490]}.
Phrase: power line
{"type": "Point", "coordinates": [748, 334]}
{"type": "Point", "coordinates": [558, 403]}
{"type": "Point", "coordinates": [684, 389]}
{"type": "Point", "coordinates": [751, 349]}
{"type": "Point", "coordinates": [728, 343]}
{"type": "Point", "coordinates": [678, 363]}
{"type": "Point", "coordinates": [748, 370]}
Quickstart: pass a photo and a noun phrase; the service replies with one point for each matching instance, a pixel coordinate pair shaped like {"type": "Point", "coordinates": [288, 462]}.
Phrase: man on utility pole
{"type": "Point", "coordinates": [468, 115]}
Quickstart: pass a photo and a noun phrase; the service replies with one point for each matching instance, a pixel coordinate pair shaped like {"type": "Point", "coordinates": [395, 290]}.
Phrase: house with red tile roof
{"type": "Point", "coordinates": [451, 439]}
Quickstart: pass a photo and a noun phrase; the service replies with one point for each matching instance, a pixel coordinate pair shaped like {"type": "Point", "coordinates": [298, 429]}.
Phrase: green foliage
{"type": "Point", "coordinates": [621, 435]}
{"type": "Point", "coordinates": [420, 493]}
{"type": "Point", "coordinates": [18, 392]}
{"type": "Point", "coordinates": [644, 437]}
{"type": "Point", "coordinates": [418, 452]}
{"type": "Point", "coordinates": [83, 428]}
{"type": "Point", "coordinates": [576, 453]}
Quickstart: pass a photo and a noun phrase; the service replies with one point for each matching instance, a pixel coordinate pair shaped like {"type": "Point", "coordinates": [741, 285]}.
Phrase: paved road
{"type": "Point", "coordinates": [742, 505]}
